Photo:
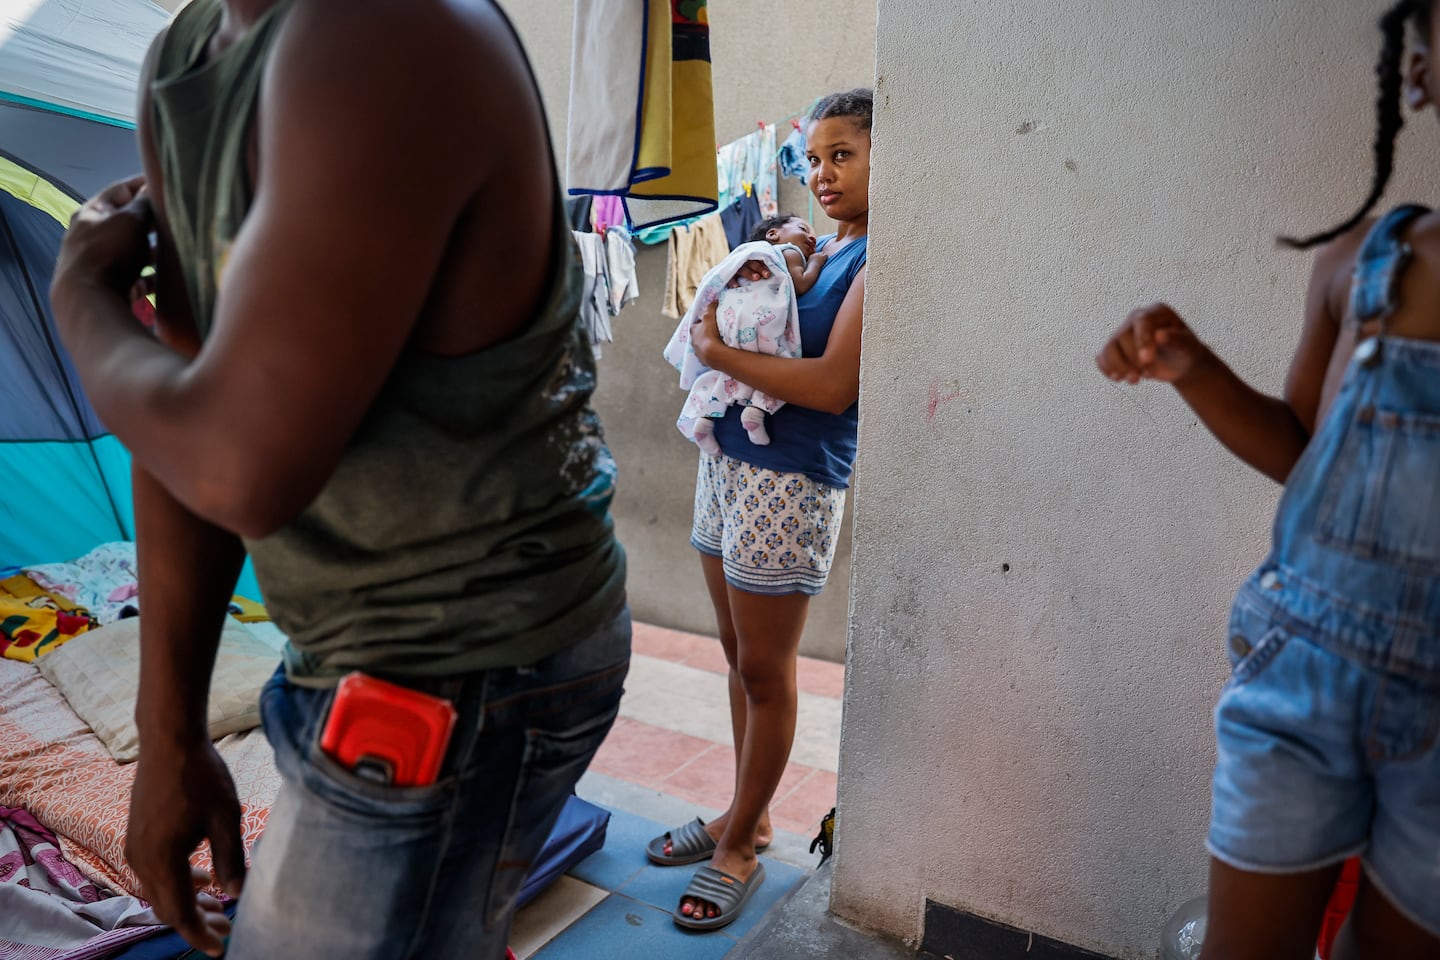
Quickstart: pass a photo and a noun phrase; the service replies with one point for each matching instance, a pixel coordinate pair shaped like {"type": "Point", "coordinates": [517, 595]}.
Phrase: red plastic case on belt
{"type": "Point", "coordinates": [388, 733]}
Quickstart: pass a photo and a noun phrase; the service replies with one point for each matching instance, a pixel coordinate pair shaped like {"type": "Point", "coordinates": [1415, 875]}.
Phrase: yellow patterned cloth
{"type": "Point", "coordinates": [642, 108]}
{"type": "Point", "coordinates": [33, 621]}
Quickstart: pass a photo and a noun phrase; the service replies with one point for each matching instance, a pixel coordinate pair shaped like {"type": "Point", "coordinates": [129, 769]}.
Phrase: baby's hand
{"type": "Point", "coordinates": [819, 257]}
{"type": "Point", "coordinates": [752, 270]}
{"type": "Point", "coordinates": [1153, 343]}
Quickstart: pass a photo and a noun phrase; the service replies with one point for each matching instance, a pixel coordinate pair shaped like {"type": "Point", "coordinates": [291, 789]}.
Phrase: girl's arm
{"type": "Point", "coordinates": [1269, 433]}
{"type": "Point", "coordinates": [802, 273]}
{"type": "Point", "coordinates": [830, 382]}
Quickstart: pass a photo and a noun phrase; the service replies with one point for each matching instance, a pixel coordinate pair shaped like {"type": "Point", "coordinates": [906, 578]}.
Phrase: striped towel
{"type": "Point", "coordinates": [642, 108]}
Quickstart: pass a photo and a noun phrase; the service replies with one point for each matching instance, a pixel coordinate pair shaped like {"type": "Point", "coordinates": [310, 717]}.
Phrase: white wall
{"type": "Point", "coordinates": [1034, 745]}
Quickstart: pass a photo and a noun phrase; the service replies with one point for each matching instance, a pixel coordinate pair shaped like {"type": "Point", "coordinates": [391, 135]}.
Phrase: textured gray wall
{"type": "Point", "coordinates": [770, 60]}
{"type": "Point", "coordinates": [1034, 745]}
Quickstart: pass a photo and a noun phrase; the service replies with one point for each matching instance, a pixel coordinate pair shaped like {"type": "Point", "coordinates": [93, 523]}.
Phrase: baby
{"type": "Point", "coordinates": [760, 316]}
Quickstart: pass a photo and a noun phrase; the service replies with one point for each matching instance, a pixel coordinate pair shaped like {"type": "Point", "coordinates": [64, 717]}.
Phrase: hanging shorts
{"type": "Point", "coordinates": [775, 532]}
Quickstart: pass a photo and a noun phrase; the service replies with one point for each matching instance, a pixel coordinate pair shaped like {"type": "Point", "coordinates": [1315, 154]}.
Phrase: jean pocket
{"type": "Point", "coordinates": [1381, 501]}
{"type": "Point", "coordinates": [1254, 641]}
{"type": "Point", "coordinates": [551, 765]}
{"type": "Point", "coordinates": [348, 794]}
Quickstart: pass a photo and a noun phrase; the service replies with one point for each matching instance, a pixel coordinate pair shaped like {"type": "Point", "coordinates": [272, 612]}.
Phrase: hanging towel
{"type": "Point", "coordinates": [642, 112]}
{"type": "Point", "coordinates": [620, 265]}
{"type": "Point", "coordinates": [791, 159]}
{"type": "Point", "coordinates": [694, 250]}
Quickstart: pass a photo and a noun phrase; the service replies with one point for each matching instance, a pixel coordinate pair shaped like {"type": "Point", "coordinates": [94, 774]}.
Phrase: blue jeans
{"type": "Point", "coordinates": [348, 868]}
{"type": "Point", "coordinates": [1329, 729]}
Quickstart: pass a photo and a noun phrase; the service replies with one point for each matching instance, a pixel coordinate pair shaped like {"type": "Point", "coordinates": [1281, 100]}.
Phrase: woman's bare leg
{"type": "Point", "coordinates": [714, 569]}
{"type": "Point", "coordinates": [767, 633]}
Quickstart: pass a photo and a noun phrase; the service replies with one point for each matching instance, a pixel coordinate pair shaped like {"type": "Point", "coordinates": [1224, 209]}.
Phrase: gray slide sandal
{"type": "Point", "coordinates": [726, 892]}
{"type": "Point", "coordinates": [689, 843]}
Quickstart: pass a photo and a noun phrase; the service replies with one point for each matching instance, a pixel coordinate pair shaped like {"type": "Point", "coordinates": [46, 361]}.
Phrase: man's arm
{"type": "Point", "coordinates": [323, 285]}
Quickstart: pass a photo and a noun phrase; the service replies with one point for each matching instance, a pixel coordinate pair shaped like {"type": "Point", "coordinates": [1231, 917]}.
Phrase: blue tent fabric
{"type": "Point", "coordinates": [578, 833]}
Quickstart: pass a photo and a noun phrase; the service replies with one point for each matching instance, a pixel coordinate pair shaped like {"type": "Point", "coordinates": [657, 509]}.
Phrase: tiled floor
{"type": "Point", "coordinates": [670, 752]}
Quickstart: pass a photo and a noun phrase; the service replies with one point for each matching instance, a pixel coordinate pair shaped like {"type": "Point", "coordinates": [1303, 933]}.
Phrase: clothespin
{"type": "Point", "coordinates": [795, 123]}
{"type": "Point", "coordinates": [760, 124]}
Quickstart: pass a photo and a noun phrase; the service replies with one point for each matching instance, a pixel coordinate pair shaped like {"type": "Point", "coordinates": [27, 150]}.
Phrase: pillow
{"type": "Point", "coordinates": [99, 674]}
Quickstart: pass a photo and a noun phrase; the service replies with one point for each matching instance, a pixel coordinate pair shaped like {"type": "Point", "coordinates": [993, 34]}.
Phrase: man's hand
{"type": "Point", "coordinates": [1153, 343]}
{"type": "Point", "coordinates": [705, 334]}
{"type": "Point", "coordinates": [108, 242]}
{"type": "Point", "coordinates": [181, 797]}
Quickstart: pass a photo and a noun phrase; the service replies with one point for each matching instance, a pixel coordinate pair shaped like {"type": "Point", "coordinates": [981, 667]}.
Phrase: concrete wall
{"type": "Point", "coordinates": [1043, 560]}
{"type": "Point", "coordinates": [770, 60]}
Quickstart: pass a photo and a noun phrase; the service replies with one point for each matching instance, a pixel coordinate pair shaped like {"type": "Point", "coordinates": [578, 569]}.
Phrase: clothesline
{"type": "Point", "coordinates": [660, 234]}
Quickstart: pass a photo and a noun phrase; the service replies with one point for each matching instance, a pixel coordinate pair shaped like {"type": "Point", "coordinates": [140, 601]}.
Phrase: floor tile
{"type": "Point", "coordinates": [697, 703]}
{"type": "Point", "coordinates": [803, 809]}
{"type": "Point", "coordinates": [625, 929]}
{"type": "Point", "coordinates": [643, 753]}
{"type": "Point", "coordinates": [672, 645]}
{"type": "Point", "coordinates": [662, 887]}
{"type": "Point", "coordinates": [795, 775]}
{"type": "Point", "coordinates": [820, 677]}
{"type": "Point", "coordinates": [548, 915]}
{"type": "Point", "coordinates": [624, 853]}
{"type": "Point", "coordinates": [708, 778]}
{"type": "Point", "coordinates": [676, 697]}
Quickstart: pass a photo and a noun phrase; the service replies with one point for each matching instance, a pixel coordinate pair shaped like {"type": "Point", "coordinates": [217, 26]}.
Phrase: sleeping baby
{"type": "Point", "coordinates": [756, 315]}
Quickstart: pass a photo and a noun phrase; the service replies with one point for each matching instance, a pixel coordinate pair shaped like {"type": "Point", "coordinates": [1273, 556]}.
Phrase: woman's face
{"type": "Point", "coordinates": [839, 152]}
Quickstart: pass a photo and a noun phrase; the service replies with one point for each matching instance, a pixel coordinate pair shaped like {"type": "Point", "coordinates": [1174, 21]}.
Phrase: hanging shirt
{"type": "Point", "coordinates": [694, 249]}
{"type": "Point", "coordinates": [791, 159]}
{"type": "Point", "coordinates": [740, 219]}
{"type": "Point", "coordinates": [620, 265]}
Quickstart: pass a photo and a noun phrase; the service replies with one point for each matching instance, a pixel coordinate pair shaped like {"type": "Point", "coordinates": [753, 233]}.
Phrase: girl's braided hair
{"type": "Point", "coordinates": [1389, 118]}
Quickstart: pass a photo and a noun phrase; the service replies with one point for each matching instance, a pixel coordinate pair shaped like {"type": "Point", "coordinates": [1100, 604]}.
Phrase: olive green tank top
{"type": "Point", "coordinates": [467, 525]}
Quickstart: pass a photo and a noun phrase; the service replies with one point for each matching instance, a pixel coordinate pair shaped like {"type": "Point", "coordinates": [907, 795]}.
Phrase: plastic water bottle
{"type": "Point", "coordinates": [1184, 932]}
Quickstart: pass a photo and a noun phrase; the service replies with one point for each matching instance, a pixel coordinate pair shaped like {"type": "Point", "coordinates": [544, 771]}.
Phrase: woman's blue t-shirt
{"type": "Point", "coordinates": [818, 444]}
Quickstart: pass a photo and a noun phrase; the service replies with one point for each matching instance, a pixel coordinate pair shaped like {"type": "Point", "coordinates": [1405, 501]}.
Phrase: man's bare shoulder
{"type": "Point", "coordinates": [456, 58]}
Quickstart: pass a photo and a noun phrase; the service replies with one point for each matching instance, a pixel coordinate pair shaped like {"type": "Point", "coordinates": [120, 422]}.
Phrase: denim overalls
{"type": "Point", "coordinates": [1327, 730]}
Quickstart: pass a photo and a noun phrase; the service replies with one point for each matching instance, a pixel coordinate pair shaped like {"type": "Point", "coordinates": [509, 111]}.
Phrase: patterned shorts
{"type": "Point", "coordinates": [775, 532]}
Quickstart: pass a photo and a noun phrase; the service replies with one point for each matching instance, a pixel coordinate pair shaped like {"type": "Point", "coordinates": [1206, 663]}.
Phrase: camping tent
{"type": "Point", "coordinates": [68, 75]}
{"type": "Point", "coordinates": [69, 72]}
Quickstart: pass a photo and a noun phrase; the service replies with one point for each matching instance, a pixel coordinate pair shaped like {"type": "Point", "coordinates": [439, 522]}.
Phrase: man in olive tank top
{"type": "Point", "coordinates": [369, 374]}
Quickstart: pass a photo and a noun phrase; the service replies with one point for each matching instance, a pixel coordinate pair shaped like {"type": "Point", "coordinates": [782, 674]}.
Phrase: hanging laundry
{"type": "Point", "coordinates": [642, 111]}
{"type": "Point", "coordinates": [620, 265]}
{"type": "Point", "coordinates": [694, 250]}
{"type": "Point", "coordinates": [609, 211]}
{"type": "Point", "coordinates": [577, 211]}
{"type": "Point", "coordinates": [791, 158]}
{"type": "Point", "coordinates": [595, 295]}
{"type": "Point", "coordinates": [747, 166]}
{"type": "Point", "coordinates": [741, 218]}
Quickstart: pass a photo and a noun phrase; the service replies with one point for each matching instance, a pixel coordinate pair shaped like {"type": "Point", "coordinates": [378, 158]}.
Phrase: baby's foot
{"type": "Point", "coordinates": [753, 420]}
{"type": "Point", "coordinates": [705, 437]}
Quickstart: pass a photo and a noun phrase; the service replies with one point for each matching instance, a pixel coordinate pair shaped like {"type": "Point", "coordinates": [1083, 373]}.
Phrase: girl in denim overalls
{"type": "Point", "coordinates": [1329, 728]}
